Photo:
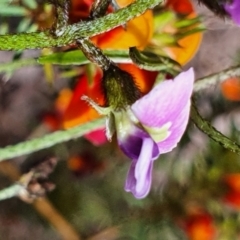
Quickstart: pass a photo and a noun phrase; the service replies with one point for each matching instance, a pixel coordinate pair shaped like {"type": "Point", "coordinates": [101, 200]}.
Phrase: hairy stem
{"type": "Point", "coordinates": [48, 140]}
{"type": "Point", "coordinates": [11, 191]}
{"type": "Point", "coordinates": [93, 53]}
{"type": "Point", "coordinates": [215, 78]}
{"type": "Point", "coordinates": [99, 8]}
{"type": "Point", "coordinates": [212, 132]}
{"type": "Point", "coordinates": [69, 34]}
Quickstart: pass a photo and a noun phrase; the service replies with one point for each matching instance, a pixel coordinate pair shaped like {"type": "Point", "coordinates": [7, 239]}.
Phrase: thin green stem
{"type": "Point", "coordinates": [213, 79]}
{"type": "Point", "coordinates": [93, 53]}
{"type": "Point", "coordinates": [212, 132]}
{"type": "Point", "coordinates": [12, 66]}
{"type": "Point", "coordinates": [69, 34]}
{"type": "Point", "coordinates": [49, 140]}
{"type": "Point", "coordinates": [75, 57]}
{"type": "Point", "coordinates": [11, 191]}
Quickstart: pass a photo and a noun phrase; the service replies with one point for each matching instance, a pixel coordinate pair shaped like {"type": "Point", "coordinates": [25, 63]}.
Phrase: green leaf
{"type": "Point", "coordinates": [24, 25]}
{"type": "Point", "coordinates": [30, 3]}
{"type": "Point", "coordinates": [4, 28]}
{"type": "Point", "coordinates": [10, 10]}
{"type": "Point", "coordinates": [153, 62]}
{"type": "Point", "coordinates": [76, 57]}
{"type": "Point", "coordinates": [162, 20]}
{"type": "Point", "coordinates": [4, 2]}
{"type": "Point", "coordinates": [187, 22]}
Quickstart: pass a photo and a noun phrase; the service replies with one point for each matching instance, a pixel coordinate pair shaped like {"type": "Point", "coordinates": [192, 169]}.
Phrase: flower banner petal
{"type": "Point", "coordinates": [168, 106]}
{"type": "Point", "coordinates": [165, 101]}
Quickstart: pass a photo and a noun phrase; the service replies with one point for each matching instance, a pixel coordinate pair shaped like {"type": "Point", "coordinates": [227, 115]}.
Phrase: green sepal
{"type": "Point", "coordinates": [119, 88]}
{"type": "Point", "coordinates": [153, 62]}
{"type": "Point", "coordinates": [11, 10]}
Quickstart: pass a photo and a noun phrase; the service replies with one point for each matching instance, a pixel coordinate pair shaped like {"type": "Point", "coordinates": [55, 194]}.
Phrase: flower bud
{"type": "Point", "coordinates": [119, 88]}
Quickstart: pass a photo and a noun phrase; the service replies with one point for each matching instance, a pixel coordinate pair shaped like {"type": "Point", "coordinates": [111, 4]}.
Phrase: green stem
{"type": "Point", "coordinates": [93, 53]}
{"type": "Point", "coordinates": [11, 191]}
{"type": "Point", "coordinates": [215, 78]}
{"type": "Point", "coordinates": [12, 66]}
{"type": "Point", "coordinates": [212, 132]}
{"type": "Point", "coordinates": [49, 140]}
{"type": "Point", "coordinates": [71, 33]}
{"type": "Point", "coordinates": [75, 57]}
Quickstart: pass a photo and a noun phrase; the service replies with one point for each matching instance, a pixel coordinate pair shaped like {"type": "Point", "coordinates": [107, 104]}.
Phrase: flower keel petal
{"type": "Point", "coordinates": [139, 177]}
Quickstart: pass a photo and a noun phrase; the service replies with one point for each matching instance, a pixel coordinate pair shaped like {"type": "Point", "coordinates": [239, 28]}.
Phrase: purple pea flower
{"type": "Point", "coordinates": [153, 125]}
{"type": "Point", "coordinates": [233, 9]}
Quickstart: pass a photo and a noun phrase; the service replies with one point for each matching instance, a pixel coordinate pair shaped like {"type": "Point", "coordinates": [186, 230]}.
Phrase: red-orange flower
{"type": "Point", "coordinates": [136, 33]}
{"type": "Point", "coordinates": [79, 111]}
{"type": "Point", "coordinates": [232, 197]}
{"type": "Point", "coordinates": [187, 46]}
{"type": "Point", "coordinates": [200, 226]}
{"type": "Point", "coordinates": [71, 110]}
{"type": "Point", "coordinates": [231, 88]}
{"type": "Point", "coordinates": [85, 163]}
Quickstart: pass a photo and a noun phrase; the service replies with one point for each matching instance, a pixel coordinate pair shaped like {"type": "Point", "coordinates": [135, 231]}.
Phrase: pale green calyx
{"type": "Point", "coordinates": [159, 134]}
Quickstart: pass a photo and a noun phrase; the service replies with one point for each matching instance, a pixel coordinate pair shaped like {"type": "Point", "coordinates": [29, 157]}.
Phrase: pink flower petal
{"type": "Point", "coordinates": [97, 137]}
{"type": "Point", "coordinates": [177, 130]}
{"type": "Point", "coordinates": [234, 11]}
{"type": "Point", "coordinates": [139, 177]}
{"type": "Point", "coordinates": [133, 144]}
{"type": "Point", "coordinates": [168, 104]}
{"type": "Point", "coordinates": [165, 101]}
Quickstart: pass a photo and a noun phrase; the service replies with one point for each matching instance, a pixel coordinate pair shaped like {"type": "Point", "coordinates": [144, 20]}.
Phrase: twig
{"type": "Point", "coordinates": [69, 34]}
{"type": "Point", "coordinates": [43, 206]}
{"type": "Point", "coordinates": [49, 140]}
{"type": "Point", "coordinates": [216, 78]}
{"type": "Point", "coordinates": [11, 191]}
{"type": "Point", "coordinates": [11, 66]}
{"type": "Point", "coordinates": [49, 212]}
{"type": "Point", "coordinates": [212, 132]}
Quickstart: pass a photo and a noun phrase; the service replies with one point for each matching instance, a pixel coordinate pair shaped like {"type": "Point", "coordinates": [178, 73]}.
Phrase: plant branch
{"type": "Point", "coordinates": [12, 191]}
{"type": "Point", "coordinates": [212, 132]}
{"type": "Point", "coordinates": [49, 140]}
{"type": "Point", "coordinates": [12, 66]}
{"type": "Point", "coordinates": [69, 34]}
{"type": "Point", "coordinates": [42, 205]}
{"type": "Point", "coordinates": [215, 78]}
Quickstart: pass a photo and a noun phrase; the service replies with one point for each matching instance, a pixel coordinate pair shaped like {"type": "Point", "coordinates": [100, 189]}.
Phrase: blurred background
{"type": "Point", "coordinates": [196, 188]}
